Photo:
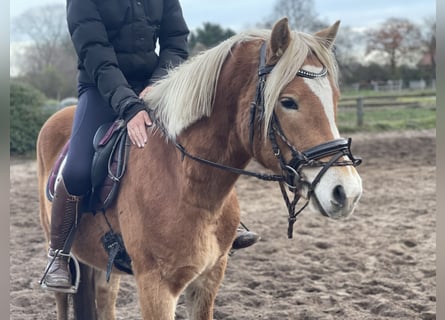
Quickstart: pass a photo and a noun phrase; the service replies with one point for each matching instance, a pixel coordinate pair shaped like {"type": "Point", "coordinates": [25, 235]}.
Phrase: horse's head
{"type": "Point", "coordinates": [290, 127]}
{"type": "Point", "coordinates": [293, 127]}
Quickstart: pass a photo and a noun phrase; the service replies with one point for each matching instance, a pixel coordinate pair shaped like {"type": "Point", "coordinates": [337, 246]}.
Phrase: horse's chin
{"type": "Point", "coordinates": [331, 211]}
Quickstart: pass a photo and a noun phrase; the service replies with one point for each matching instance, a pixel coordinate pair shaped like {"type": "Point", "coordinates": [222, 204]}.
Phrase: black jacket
{"type": "Point", "coordinates": [115, 41]}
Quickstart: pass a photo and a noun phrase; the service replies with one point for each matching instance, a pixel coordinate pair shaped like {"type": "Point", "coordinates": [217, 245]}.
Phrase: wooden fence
{"type": "Point", "coordinates": [403, 100]}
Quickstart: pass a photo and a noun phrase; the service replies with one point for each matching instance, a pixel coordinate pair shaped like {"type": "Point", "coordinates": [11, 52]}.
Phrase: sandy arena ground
{"type": "Point", "coordinates": [378, 264]}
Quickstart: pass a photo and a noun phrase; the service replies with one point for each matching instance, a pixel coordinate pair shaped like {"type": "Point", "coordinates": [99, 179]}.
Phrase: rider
{"type": "Point", "coordinates": [115, 42]}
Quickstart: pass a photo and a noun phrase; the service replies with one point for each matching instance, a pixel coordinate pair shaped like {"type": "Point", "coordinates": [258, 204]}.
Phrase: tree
{"type": "Point", "coordinates": [301, 14]}
{"type": "Point", "coordinates": [209, 36]}
{"type": "Point", "coordinates": [429, 45]}
{"type": "Point", "coordinates": [26, 115]}
{"type": "Point", "coordinates": [363, 75]}
{"type": "Point", "coordinates": [49, 61]}
{"type": "Point", "coordinates": [397, 40]}
{"type": "Point", "coordinates": [346, 46]}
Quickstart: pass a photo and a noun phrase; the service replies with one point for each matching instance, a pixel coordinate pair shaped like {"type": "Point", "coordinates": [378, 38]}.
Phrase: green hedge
{"type": "Point", "coordinates": [27, 116]}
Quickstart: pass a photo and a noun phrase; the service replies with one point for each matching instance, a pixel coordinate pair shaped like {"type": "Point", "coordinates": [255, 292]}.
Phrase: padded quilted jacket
{"type": "Point", "coordinates": [115, 41]}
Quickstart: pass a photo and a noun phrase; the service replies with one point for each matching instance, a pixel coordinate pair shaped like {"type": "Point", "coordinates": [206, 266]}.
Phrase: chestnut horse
{"type": "Point", "coordinates": [177, 210]}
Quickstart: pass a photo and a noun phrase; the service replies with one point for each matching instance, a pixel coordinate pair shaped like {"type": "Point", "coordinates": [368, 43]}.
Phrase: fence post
{"type": "Point", "coordinates": [360, 111]}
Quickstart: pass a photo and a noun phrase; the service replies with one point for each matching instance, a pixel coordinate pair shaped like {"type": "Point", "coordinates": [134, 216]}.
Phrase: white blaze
{"type": "Point", "coordinates": [323, 90]}
{"type": "Point", "coordinates": [335, 176]}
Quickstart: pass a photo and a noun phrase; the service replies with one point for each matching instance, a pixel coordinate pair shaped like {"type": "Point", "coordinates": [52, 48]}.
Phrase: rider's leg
{"type": "Point", "coordinates": [64, 216]}
{"type": "Point", "coordinates": [91, 112]}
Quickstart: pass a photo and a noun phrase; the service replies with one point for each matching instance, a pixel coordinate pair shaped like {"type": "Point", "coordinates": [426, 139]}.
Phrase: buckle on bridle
{"type": "Point", "coordinates": [292, 179]}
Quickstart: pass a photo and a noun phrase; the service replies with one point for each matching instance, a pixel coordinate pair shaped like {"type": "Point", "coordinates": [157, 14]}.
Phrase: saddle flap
{"type": "Point", "coordinates": [106, 132]}
{"type": "Point", "coordinates": [109, 161]}
{"type": "Point", "coordinates": [104, 143]}
{"type": "Point", "coordinates": [56, 172]}
{"type": "Point", "coordinates": [108, 166]}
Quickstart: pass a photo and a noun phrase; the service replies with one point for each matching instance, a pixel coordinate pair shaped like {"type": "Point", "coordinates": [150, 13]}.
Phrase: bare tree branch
{"type": "Point", "coordinates": [301, 14]}
{"type": "Point", "coordinates": [49, 61]}
{"type": "Point", "coordinates": [397, 38]}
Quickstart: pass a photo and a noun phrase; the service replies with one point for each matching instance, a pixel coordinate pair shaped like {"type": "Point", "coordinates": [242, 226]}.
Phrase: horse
{"type": "Point", "coordinates": [268, 95]}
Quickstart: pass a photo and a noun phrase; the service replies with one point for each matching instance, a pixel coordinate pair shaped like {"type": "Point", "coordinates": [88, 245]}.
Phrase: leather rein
{"type": "Point", "coordinates": [291, 177]}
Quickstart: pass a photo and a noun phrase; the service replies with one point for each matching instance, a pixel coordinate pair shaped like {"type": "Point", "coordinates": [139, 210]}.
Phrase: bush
{"type": "Point", "coordinates": [27, 117]}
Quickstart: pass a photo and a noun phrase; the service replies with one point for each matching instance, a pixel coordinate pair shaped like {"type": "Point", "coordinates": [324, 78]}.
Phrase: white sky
{"type": "Point", "coordinates": [241, 14]}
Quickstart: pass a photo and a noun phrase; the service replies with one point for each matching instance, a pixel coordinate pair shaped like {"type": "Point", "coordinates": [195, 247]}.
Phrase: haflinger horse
{"type": "Point", "coordinates": [266, 95]}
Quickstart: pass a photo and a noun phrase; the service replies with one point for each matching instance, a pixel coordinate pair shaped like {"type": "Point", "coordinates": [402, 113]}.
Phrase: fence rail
{"type": "Point", "coordinates": [401, 100]}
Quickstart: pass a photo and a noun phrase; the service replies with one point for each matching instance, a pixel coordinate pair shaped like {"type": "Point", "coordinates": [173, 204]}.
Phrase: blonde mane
{"type": "Point", "coordinates": [186, 94]}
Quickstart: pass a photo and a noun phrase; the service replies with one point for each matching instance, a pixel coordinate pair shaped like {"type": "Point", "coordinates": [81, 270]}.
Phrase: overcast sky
{"type": "Point", "coordinates": [242, 14]}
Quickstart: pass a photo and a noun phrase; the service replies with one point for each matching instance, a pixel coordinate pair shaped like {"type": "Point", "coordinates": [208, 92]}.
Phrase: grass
{"type": "Point", "coordinates": [387, 118]}
{"type": "Point", "coordinates": [372, 93]}
{"type": "Point", "coordinates": [418, 113]}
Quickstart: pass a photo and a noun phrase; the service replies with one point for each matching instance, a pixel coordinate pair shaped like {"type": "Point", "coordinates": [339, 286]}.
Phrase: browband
{"type": "Point", "coordinates": [264, 69]}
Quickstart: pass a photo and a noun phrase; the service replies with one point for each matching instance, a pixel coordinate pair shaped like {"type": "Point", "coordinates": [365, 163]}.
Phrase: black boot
{"type": "Point", "coordinates": [244, 239]}
{"type": "Point", "coordinates": [64, 217]}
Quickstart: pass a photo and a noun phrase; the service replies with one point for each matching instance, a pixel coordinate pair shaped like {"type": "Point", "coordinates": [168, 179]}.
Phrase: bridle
{"type": "Point", "coordinates": [291, 177]}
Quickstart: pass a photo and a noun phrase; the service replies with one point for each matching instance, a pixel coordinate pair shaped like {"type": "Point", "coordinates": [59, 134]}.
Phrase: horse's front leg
{"type": "Point", "coordinates": [201, 293]}
{"type": "Point", "coordinates": [156, 298]}
{"type": "Point", "coordinates": [106, 294]}
{"type": "Point", "coordinates": [159, 288]}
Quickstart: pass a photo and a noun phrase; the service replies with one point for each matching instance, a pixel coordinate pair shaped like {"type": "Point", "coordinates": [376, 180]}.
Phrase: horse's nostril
{"type": "Point", "coordinates": [339, 195]}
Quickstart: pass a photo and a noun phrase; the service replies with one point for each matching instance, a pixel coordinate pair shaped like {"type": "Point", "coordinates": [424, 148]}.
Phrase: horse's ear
{"type": "Point", "coordinates": [328, 35]}
{"type": "Point", "coordinates": [279, 41]}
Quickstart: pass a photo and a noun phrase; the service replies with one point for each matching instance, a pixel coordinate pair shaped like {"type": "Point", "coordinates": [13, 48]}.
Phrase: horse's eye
{"type": "Point", "coordinates": [289, 103]}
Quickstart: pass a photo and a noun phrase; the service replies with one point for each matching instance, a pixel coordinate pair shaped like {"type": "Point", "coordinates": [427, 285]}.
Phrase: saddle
{"type": "Point", "coordinates": [108, 167]}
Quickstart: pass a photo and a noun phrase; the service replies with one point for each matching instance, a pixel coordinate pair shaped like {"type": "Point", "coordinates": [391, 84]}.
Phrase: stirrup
{"type": "Point", "coordinates": [76, 275]}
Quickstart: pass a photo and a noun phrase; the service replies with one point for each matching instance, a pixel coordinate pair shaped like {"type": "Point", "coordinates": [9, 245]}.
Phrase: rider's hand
{"type": "Point", "coordinates": [144, 92]}
{"type": "Point", "coordinates": [137, 125]}
{"type": "Point", "coordinates": [137, 128]}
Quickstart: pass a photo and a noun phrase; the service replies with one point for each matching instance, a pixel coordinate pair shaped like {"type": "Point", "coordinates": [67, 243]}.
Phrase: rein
{"type": "Point", "coordinates": [291, 177]}
{"type": "Point", "coordinates": [261, 176]}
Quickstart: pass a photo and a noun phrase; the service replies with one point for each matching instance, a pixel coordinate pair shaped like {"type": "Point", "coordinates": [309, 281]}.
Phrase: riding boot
{"type": "Point", "coordinates": [64, 217]}
{"type": "Point", "coordinates": [244, 239]}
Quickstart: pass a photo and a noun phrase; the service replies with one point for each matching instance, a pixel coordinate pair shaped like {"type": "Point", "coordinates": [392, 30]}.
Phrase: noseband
{"type": "Point", "coordinates": [291, 177]}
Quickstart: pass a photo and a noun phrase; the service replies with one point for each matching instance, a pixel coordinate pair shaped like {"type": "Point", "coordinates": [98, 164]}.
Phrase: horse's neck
{"type": "Point", "coordinates": [216, 140]}
{"type": "Point", "coordinates": [221, 137]}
